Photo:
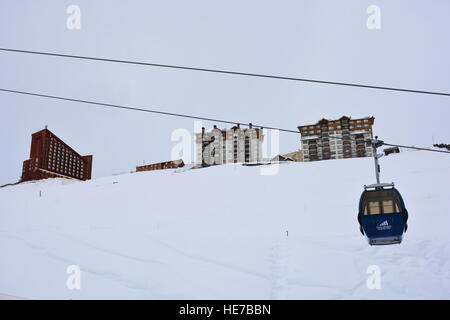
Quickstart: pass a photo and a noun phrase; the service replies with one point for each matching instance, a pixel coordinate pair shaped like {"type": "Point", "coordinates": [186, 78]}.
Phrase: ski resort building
{"type": "Point", "coordinates": [336, 139]}
{"type": "Point", "coordinates": [161, 165]}
{"type": "Point", "coordinates": [296, 156]}
{"type": "Point", "coordinates": [235, 145]}
{"type": "Point", "coordinates": [51, 157]}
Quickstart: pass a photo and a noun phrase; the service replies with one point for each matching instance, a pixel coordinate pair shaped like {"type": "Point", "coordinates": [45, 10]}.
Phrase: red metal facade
{"type": "Point", "coordinates": [51, 157]}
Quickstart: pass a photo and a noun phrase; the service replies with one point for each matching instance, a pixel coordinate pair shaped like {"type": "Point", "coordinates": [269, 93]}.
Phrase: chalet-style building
{"type": "Point", "coordinates": [161, 165]}
{"type": "Point", "coordinates": [296, 156]}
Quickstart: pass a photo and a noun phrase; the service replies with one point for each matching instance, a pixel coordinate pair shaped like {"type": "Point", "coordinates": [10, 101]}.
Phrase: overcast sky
{"type": "Point", "coordinates": [316, 39]}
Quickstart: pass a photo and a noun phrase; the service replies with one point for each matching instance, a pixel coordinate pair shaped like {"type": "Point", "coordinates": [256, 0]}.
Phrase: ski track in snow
{"type": "Point", "coordinates": [84, 267]}
{"type": "Point", "coordinates": [108, 251]}
{"type": "Point", "coordinates": [138, 240]}
{"type": "Point", "coordinates": [280, 272]}
{"type": "Point", "coordinates": [210, 261]}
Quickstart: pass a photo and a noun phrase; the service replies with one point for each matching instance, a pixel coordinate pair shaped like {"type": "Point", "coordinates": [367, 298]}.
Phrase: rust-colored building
{"type": "Point", "coordinates": [50, 157]}
{"type": "Point", "coordinates": [161, 165]}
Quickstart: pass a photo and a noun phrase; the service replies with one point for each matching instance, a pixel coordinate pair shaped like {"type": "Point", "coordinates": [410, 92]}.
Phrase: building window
{"type": "Point", "coordinates": [247, 149]}
{"type": "Point", "coordinates": [235, 149]}
{"type": "Point", "coordinates": [224, 146]}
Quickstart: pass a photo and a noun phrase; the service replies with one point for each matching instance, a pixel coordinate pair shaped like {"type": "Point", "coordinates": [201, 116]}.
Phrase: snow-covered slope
{"type": "Point", "coordinates": [220, 233]}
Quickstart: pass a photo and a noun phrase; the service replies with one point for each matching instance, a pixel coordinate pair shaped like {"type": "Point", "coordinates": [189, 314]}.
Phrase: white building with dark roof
{"type": "Point", "coordinates": [234, 145]}
{"type": "Point", "coordinates": [337, 139]}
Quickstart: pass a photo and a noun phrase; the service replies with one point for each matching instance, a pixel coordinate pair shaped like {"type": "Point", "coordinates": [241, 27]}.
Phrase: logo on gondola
{"type": "Point", "coordinates": [384, 226]}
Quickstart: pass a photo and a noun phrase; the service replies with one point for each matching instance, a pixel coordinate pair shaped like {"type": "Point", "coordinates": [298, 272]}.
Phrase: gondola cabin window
{"type": "Point", "coordinates": [381, 202]}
